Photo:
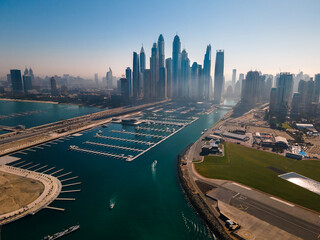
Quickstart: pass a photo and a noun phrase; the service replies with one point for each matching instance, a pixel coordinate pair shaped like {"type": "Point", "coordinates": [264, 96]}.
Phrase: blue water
{"type": "Point", "coordinates": [149, 203]}
{"type": "Point", "coordinates": [39, 113]}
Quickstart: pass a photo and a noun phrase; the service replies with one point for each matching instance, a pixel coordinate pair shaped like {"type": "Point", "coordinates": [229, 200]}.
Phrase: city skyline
{"type": "Point", "coordinates": [277, 41]}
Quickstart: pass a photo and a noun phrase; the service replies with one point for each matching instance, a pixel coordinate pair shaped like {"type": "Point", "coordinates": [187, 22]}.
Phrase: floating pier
{"type": "Point", "coordinates": [64, 174]}
{"type": "Point", "coordinates": [66, 199]}
{"type": "Point", "coordinates": [33, 166]}
{"type": "Point", "coordinates": [67, 179]}
{"type": "Point", "coordinates": [166, 123]}
{"type": "Point", "coordinates": [56, 172]}
{"type": "Point", "coordinates": [71, 184]}
{"type": "Point", "coordinates": [68, 191]}
{"type": "Point", "coordinates": [154, 129]}
{"type": "Point", "coordinates": [139, 134]}
{"type": "Point", "coordinates": [114, 146]}
{"type": "Point", "coordinates": [48, 170]}
{"type": "Point", "coordinates": [76, 148]}
{"type": "Point", "coordinates": [25, 164]}
{"type": "Point", "coordinates": [55, 208]}
{"type": "Point", "coordinates": [124, 139]}
{"type": "Point", "coordinates": [40, 168]}
{"type": "Point", "coordinates": [17, 163]}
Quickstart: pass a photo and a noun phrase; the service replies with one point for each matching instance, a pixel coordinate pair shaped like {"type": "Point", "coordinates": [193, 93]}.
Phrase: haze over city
{"type": "Point", "coordinates": [82, 38]}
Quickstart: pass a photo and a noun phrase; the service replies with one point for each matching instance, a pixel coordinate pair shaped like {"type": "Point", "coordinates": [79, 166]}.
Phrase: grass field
{"type": "Point", "coordinates": [250, 167]}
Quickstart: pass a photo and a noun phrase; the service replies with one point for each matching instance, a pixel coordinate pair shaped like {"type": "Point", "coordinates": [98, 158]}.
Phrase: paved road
{"type": "Point", "coordinates": [266, 212]}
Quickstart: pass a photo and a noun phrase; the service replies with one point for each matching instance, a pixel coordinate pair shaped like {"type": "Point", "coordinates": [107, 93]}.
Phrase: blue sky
{"type": "Point", "coordinates": [83, 37]}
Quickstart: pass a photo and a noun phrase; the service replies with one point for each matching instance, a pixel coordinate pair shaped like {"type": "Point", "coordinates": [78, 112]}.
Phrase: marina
{"type": "Point", "coordinates": [94, 168]}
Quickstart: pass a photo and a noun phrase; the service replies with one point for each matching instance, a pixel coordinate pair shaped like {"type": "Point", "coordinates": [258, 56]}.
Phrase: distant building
{"type": "Point", "coordinates": [54, 89]}
{"type": "Point", "coordinates": [16, 81]}
{"type": "Point", "coordinates": [109, 79]}
{"type": "Point", "coordinates": [124, 86]}
{"type": "Point", "coordinates": [154, 68]}
{"type": "Point", "coordinates": [295, 106]}
{"type": "Point", "coordinates": [129, 77]}
{"type": "Point", "coordinates": [273, 101]}
{"type": "Point", "coordinates": [169, 77]}
{"type": "Point", "coordinates": [27, 83]}
{"type": "Point", "coordinates": [317, 88]}
{"type": "Point", "coordinates": [234, 75]}
{"type": "Point", "coordinates": [142, 60]}
{"type": "Point", "coordinates": [219, 76]}
{"type": "Point", "coordinates": [183, 91]}
{"type": "Point", "coordinates": [9, 79]}
{"type": "Point", "coordinates": [96, 79]}
{"type": "Point", "coordinates": [176, 66]}
{"type": "Point", "coordinates": [64, 90]}
{"type": "Point", "coordinates": [147, 84]}
{"type": "Point", "coordinates": [284, 93]}
{"type": "Point", "coordinates": [207, 74]}
{"type": "Point", "coordinates": [163, 83]}
{"type": "Point", "coordinates": [252, 88]}
{"type": "Point", "coordinates": [135, 76]}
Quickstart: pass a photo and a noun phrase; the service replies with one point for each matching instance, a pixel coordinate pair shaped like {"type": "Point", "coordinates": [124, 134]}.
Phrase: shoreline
{"type": "Point", "coordinates": [25, 100]}
{"type": "Point", "coordinates": [201, 208]}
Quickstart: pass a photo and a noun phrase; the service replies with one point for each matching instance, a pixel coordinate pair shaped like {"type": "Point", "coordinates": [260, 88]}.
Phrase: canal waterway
{"type": "Point", "coordinates": [149, 203]}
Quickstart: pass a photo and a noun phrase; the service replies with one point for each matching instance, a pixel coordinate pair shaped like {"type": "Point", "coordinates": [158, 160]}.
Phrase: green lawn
{"type": "Point", "coordinates": [250, 167]}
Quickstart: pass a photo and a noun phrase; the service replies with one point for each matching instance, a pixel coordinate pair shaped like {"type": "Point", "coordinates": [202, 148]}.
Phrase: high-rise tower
{"type": "Point", "coordinates": [142, 60]}
{"type": "Point", "coordinates": [154, 68]}
{"type": "Point", "coordinates": [161, 51]}
{"type": "Point", "coordinates": [129, 77]}
{"type": "Point", "coordinates": [218, 76]}
{"type": "Point", "coordinates": [176, 66]}
{"type": "Point", "coordinates": [16, 81]}
{"type": "Point", "coordinates": [135, 76]}
{"type": "Point", "coordinates": [207, 74]}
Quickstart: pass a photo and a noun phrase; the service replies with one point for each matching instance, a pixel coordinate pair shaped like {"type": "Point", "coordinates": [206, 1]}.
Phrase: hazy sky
{"type": "Point", "coordinates": [81, 37]}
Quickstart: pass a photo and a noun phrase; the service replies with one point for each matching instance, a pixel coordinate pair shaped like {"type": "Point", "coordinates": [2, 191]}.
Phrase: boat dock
{"type": "Point", "coordinates": [124, 139]}
{"type": "Point", "coordinates": [114, 146]}
{"type": "Point", "coordinates": [122, 156]}
{"type": "Point", "coordinates": [139, 134]}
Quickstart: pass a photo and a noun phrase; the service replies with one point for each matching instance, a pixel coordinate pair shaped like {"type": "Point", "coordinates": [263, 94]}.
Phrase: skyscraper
{"type": "Point", "coordinates": [124, 89]}
{"type": "Point", "coordinates": [96, 79]}
{"type": "Point", "coordinates": [154, 68]}
{"type": "Point", "coordinates": [251, 89]}
{"type": "Point", "coordinates": [234, 75]}
{"type": "Point", "coordinates": [16, 81]}
{"type": "Point", "coordinates": [129, 77]}
{"type": "Point", "coordinates": [169, 77]}
{"type": "Point", "coordinates": [218, 76]}
{"type": "Point", "coordinates": [317, 88]}
{"type": "Point", "coordinates": [194, 89]}
{"type": "Point", "coordinates": [176, 66]}
{"type": "Point", "coordinates": [207, 74]}
{"type": "Point", "coordinates": [147, 86]}
{"type": "Point", "coordinates": [27, 83]}
{"type": "Point", "coordinates": [109, 78]}
{"type": "Point", "coordinates": [135, 76]}
{"type": "Point", "coordinates": [185, 75]}
{"type": "Point", "coordinates": [295, 106]}
{"type": "Point", "coordinates": [273, 101]}
{"type": "Point", "coordinates": [142, 60]}
{"type": "Point", "coordinates": [284, 92]}
{"type": "Point", "coordinates": [161, 51]}
{"type": "Point", "coordinates": [163, 83]}
{"type": "Point", "coordinates": [162, 71]}
{"type": "Point", "coordinates": [54, 90]}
